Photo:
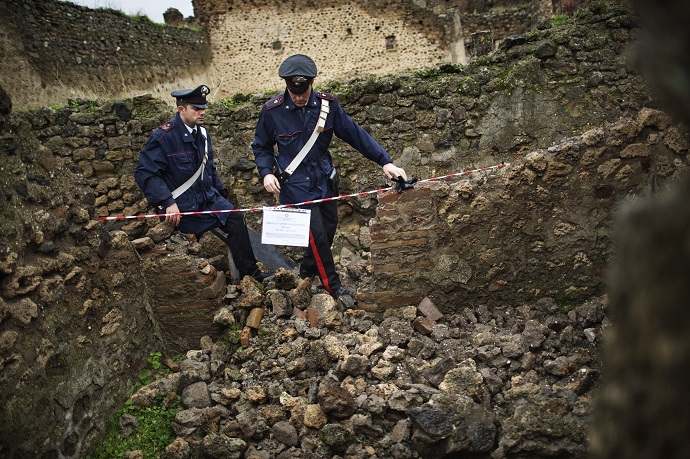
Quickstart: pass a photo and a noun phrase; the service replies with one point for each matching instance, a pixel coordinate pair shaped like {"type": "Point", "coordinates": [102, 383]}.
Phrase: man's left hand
{"type": "Point", "coordinates": [393, 171]}
{"type": "Point", "coordinates": [172, 216]}
{"type": "Point", "coordinates": [271, 184]}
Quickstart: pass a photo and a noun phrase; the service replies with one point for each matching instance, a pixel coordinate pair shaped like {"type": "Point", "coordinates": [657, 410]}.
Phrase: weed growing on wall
{"type": "Point", "coordinates": [558, 20]}
{"type": "Point", "coordinates": [152, 435]}
{"type": "Point", "coordinates": [153, 432]}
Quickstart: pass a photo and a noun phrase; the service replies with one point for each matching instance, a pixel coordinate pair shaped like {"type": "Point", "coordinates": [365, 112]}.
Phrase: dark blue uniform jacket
{"type": "Point", "coordinates": [281, 123]}
{"type": "Point", "coordinates": [169, 158]}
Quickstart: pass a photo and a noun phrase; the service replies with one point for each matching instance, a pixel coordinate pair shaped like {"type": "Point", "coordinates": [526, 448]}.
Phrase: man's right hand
{"type": "Point", "coordinates": [271, 184]}
{"type": "Point", "coordinates": [173, 220]}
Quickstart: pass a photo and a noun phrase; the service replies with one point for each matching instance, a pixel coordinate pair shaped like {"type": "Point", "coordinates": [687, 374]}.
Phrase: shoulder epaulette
{"type": "Point", "coordinates": [324, 95]}
{"type": "Point", "coordinates": [275, 102]}
{"type": "Point", "coordinates": [163, 128]}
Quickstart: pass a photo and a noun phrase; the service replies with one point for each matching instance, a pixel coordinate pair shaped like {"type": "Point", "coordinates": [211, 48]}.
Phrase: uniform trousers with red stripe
{"type": "Point", "coordinates": [318, 258]}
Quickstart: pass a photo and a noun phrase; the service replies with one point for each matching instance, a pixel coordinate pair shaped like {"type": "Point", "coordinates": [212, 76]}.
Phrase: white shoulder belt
{"type": "Point", "coordinates": [320, 125]}
{"type": "Point", "coordinates": [199, 172]}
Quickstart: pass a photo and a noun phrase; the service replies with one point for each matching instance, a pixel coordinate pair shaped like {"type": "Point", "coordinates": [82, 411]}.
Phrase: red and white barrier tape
{"type": "Point", "coordinates": [315, 201]}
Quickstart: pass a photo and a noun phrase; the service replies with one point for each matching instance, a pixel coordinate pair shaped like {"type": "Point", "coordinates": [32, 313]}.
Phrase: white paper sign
{"type": "Point", "coordinates": [285, 227]}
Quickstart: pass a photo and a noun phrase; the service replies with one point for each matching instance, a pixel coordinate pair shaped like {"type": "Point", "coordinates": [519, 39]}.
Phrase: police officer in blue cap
{"type": "Point", "coordinates": [288, 120]}
{"type": "Point", "coordinates": [177, 173]}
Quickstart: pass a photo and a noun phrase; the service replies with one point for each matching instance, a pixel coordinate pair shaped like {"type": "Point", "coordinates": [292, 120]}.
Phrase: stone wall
{"type": "Point", "coordinates": [484, 238]}
{"type": "Point", "coordinates": [54, 50]}
{"type": "Point", "coordinates": [449, 120]}
{"type": "Point", "coordinates": [76, 324]}
{"type": "Point", "coordinates": [77, 319]}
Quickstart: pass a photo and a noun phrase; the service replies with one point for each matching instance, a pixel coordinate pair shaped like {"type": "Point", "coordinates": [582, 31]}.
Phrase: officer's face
{"type": "Point", "coordinates": [191, 116]}
{"type": "Point", "coordinates": [302, 99]}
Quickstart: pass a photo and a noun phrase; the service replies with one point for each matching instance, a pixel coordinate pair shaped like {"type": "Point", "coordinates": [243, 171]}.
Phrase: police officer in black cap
{"type": "Point", "coordinates": [177, 173]}
{"type": "Point", "coordinates": [288, 120]}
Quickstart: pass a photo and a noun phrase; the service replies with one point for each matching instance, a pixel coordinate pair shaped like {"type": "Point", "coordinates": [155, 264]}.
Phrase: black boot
{"type": "Point", "coordinates": [262, 276]}
{"type": "Point", "coordinates": [346, 297]}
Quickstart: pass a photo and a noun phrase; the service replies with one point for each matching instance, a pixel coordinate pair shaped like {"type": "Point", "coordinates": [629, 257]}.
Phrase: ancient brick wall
{"type": "Point", "coordinates": [188, 292]}
{"type": "Point", "coordinates": [347, 40]}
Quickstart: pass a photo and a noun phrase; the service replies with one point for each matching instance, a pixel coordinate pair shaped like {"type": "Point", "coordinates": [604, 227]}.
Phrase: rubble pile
{"type": "Point", "coordinates": [294, 374]}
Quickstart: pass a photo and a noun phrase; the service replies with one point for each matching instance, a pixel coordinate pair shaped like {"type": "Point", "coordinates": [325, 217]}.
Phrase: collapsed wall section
{"type": "Point", "coordinates": [541, 226]}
